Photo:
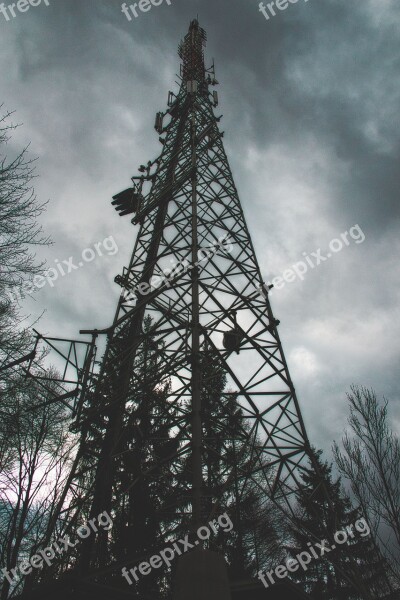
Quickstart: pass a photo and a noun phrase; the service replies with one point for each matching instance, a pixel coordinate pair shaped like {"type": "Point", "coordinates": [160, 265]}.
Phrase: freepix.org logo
{"type": "Point", "coordinates": [63, 268]}
{"type": "Point", "coordinates": [167, 276]}
{"type": "Point", "coordinates": [144, 6]}
{"type": "Point", "coordinates": [48, 555]}
{"type": "Point", "coordinates": [313, 259]}
{"type": "Point", "coordinates": [166, 556]}
{"type": "Point", "coordinates": [22, 6]}
{"type": "Point", "coordinates": [315, 552]}
{"type": "Point", "coordinates": [269, 10]}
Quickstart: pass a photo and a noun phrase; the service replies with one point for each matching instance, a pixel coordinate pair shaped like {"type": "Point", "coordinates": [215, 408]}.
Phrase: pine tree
{"type": "Point", "coordinates": [228, 459]}
{"type": "Point", "coordinates": [144, 476]}
{"type": "Point", "coordinates": [353, 570]}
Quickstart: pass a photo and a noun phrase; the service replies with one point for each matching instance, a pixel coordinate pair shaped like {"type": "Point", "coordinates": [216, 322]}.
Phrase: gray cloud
{"type": "Point", "coordinates": [310, 102]}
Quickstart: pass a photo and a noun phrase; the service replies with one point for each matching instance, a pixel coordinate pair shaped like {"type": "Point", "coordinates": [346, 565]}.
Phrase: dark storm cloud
{"type": "Point", "coordinates": [310, 102]}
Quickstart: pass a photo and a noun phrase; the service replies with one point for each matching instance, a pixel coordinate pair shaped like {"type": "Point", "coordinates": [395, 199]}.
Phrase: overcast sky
{"type": "Point", "coordinates": [310, 100]}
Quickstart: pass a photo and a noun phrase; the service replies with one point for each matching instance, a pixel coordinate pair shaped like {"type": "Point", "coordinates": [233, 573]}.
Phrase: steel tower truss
{"type": "Point", "coordinates": [195, 272]}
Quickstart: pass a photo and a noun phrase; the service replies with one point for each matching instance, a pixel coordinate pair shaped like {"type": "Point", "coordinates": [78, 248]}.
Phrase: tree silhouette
{"type": "Point", "coordinates": [353, 570]}
{"type": "Point", "coordinates": [370, 460]}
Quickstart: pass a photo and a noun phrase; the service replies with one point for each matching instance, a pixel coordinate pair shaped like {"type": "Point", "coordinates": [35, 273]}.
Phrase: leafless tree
{"type": "Point", "coordinates": [370, 460]}
{"type": "Point", "coordinates": [35, 449]}
{"type": "Point", "coordinates": [20, 233]}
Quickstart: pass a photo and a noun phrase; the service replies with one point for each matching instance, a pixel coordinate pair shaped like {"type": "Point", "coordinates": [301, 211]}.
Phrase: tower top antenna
{"type": "Point", "coordinates": [191, 51]}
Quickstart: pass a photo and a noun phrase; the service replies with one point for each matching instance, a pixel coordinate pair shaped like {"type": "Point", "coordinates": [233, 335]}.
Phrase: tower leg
{"type": "Point", "coordinates": [202, 575]}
